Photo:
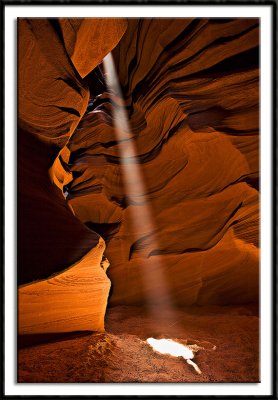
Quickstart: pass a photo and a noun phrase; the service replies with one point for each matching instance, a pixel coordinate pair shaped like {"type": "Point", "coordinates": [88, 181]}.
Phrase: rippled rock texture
{"type": "Point", "coordinates": [191, 92]}
{"type": "Point", "coordinates": [53, 97]}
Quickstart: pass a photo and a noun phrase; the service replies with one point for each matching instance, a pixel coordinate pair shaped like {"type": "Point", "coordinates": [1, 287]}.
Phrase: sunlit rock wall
{"type": "Point", "coordinates": [60, 265]}
{"type": "Point", "coordinates": [191, 94]}
{"type": "Point", "coordinates": [52, 98]}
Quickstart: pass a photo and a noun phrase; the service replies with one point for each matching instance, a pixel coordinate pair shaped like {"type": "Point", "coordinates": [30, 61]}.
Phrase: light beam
{"type": "Point", "coordinates": [135, 189]}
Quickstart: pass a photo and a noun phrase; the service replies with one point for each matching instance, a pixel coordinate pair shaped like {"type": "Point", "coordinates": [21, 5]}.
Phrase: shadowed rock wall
{"type": "Point", "coordinates": [52, 98]}
{"type": "Point", "coordinates": [191, 93]}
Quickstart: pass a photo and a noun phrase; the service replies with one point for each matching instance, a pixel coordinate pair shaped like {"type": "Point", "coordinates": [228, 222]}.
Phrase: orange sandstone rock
{"type": "Point", "coordinates": [72, 300]}
{"type": "Point", "coordinates": [52, 98]}
{"type": "Point", "coordinates": [190, 89]}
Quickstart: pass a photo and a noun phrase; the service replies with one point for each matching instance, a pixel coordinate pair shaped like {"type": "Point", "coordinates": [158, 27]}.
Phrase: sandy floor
{"type": "Point", "coordinates": [121, 354]}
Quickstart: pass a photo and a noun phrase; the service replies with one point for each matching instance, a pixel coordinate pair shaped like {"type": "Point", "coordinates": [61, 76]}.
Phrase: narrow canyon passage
{"type": "Point", "coordinates": [138, 198]}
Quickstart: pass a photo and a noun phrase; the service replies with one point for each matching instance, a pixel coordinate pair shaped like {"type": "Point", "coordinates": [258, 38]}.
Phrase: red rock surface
{"type": "Point", "coordinates": [191, 93]}
{"type": "Point", "coordinates": [122, 355]}
{"type": "Point", "coordinates": [52, 98]}
{"type": "Point", "coordinates": [72, 300]}
{"type": "Point", "coordinates": [190, 89]}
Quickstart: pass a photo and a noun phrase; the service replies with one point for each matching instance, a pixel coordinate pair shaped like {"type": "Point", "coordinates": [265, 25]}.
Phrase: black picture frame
{"type": "Point", "coordinates": [65, 3]}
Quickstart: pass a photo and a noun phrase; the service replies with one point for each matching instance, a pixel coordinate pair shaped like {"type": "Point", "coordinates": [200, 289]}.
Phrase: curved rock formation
{"type": "Point", "coordinates": [191, 93]}
{"type": "Point", "coordinates": [190, 89]}
{"type": "Point", "coordinates": [52, 98]}
{"type": "Point", "coordinates": [72, 300]}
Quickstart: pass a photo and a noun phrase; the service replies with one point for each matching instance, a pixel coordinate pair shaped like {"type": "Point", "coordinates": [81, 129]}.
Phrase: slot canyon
{"type": "Point", "coordinates": [138, 199]}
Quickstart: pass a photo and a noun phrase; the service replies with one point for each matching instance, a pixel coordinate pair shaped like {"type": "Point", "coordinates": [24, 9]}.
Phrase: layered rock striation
{"type": "Point", "coordinates": [62, 283]}
{"type": "Point", "coordinates": [191, 93]}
